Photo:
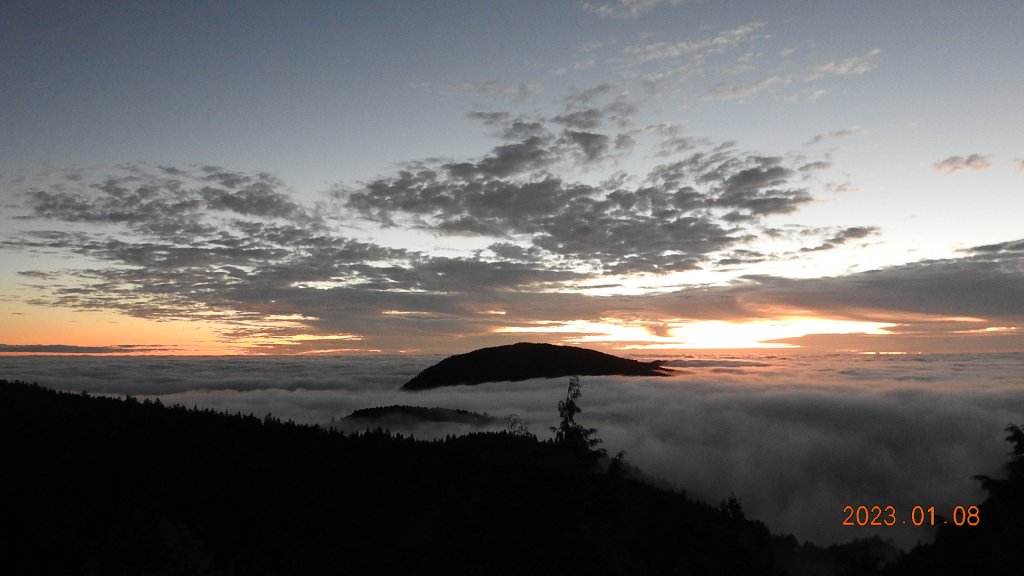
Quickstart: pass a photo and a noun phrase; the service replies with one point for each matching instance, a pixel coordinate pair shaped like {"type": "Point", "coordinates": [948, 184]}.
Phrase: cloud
{"type": "Point", "coordinates": [844, 236]}
{"type": "Point", "coordinates": [192, 251]}
{"type": "Point", "coordinates": [60, 349]}
{"type": "Point", "coordinates": [584, 113]}
{"type": "Point", "coordinates": [169, 205]}
{"type": "Point", "coordinates": [497, 90]}
{"type": "Point", "coordinates": [1019, 164]}
{"type": "Point", "coordinates": [954, 164]}
{"type": "Point", "coordinates": [1013, 248]}
{"type": "Point", "coordinates": [39, 275]}
{"type": "Point", "coordinates": [584, 97]}
{"type": "Point", "coordinates": [583, 119]}
{"type": "Point", "coordinates": [593, 146]}
{"type": "Point", "coordinates": [854, 65]}
{"type": "Point", "coordinates": [721, 42]}
{"type": "Point", "coordinates": [547, 212]}
{"type": "Point", "coordinates": [989, 283]}
{"type": "Point", "coordinates": [685, 210]}
{"type": "Point", "coordinates": [530, 154]}
{"type": "Point", "coordinates": [742, 91]}
{"type": "Point", "coordinates": [626, 8]}
{"type": "Point", "coordinates": [267, 268]}
{"type": "Point", "coordinates": [843, 133]}
{"type": "Point", "coordinates": [489, 118]}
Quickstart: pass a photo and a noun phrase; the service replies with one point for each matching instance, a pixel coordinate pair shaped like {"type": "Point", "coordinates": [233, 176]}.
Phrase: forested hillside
{"type": "Point", "coordinates": [108, 486]}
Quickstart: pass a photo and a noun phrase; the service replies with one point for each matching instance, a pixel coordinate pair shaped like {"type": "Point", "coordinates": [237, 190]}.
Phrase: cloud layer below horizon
{"type": "Point", "coordinates": [795, 437]}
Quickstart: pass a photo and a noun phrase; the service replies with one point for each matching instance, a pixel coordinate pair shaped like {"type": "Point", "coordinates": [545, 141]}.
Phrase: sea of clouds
{"type": "Point", "coordinates": [795, 437]}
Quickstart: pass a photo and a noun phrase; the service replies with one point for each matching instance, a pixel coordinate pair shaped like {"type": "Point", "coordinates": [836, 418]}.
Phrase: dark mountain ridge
{"type": "Point", "coordinates": [526, 360]}
{"type": "Point", "coordinates": [421, 414]}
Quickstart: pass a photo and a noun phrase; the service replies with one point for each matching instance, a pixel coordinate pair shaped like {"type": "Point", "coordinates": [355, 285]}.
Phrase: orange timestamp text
{"type": "Point", "coordinates": [919, 516]}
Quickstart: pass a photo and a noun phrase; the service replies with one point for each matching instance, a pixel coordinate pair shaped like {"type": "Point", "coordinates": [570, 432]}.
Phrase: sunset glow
{"type": "Point", "coordinates": [630, 175]}
{"type": "Point", "coordinates": [708, 334]}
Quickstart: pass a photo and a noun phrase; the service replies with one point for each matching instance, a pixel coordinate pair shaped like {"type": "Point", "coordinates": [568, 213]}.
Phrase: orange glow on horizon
{"type": "Point", "coordinates": [35, 330]}
{"type": "Point", "coordinates": [120, 335]}
{"type": "Point", "coordinates": [26, 325]}
{"type": "Point", "coordinates": [699, 334]}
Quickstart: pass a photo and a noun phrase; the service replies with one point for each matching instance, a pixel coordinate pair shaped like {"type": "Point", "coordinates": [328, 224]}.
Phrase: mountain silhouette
{"type": "Point", "coordinates": [416, 420]}
{"type": "Point", "coordinates": [524, 361]}
{"type": "Point", "coordinates": [420, 414]}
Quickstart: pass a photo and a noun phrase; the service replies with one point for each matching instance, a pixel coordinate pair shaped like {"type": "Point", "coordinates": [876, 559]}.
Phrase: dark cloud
{"type": "Point", "coordinates": [586, 119]}
{"type": "Point", "coordinates": [243, 196]}
{"type": "Point", "coordinates": [548, 198]}
{"type": "Point", "coordinates": [954, 164]}
{"type": "Point", "coordinates": [523, 130]}
{"type": "Point", "coordinates": [843, 133]}
{"type": "Point", "coordinates": [815, 166]}
{"type": "Point", "coordinates": [265, 268]}
{"type": "Point", "coordinates": [593, 146]}
{"type": "Point", "coordinates": [517, 129]}
{"type": "Point", "coordinates": [987, 284]}
{"type": "Point", "coordinates": [37, 274]}
{"type": "Point", "coordinates": [844, 236]}
{"type": "Point", "coordinates": [533, 153]}
{"type": "Point", "coordinates": [238, 249]}
{"type": "Point", "coordinates": [583, 97]}
{"type": "Point", "coordinates": [489, 118]}
{"type": "Point", "coordinates": [1012, 248]}
{"type": "Point", "coordinates": [69, 349]}
{"type": "Point", "coordinates": [584, 110]}
{"type": "Point", "coordinates": [685, 210]}
{"type": "Point", "coordinates": [150, 208]}
{"type": "Point", "coordinates": [172, 205]}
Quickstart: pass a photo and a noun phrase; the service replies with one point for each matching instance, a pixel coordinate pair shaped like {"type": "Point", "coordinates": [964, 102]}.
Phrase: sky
{"type": "Point", "coordinates": [639, 176]}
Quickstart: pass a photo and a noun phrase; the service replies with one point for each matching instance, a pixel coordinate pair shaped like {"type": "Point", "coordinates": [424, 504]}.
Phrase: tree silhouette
{"type": "Point", "coordinates": [992, 545]}
{"type": "Point", "coordinates": [569, 432]}
{"type": "Point", "coordinates": [516, 426]}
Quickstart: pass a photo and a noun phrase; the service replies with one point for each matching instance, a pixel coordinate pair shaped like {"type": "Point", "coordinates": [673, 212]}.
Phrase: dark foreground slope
{"type": "Point", "coordinates": [526, 360]}
{"type": "Point", "coordinates": [106, 486]}
{"type": "Point", "coordinates": [995, 545]}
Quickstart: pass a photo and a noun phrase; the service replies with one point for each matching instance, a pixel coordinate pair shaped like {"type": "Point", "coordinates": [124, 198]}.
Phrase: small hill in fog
{"type": "Point", "coordinates": [417, 420]}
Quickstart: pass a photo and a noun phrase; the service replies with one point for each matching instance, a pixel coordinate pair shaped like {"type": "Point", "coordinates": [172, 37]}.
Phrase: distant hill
{"type": "Point", "coordinates": [524, 361]}
{"type": "Point", "coordinates": [419, 413]}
